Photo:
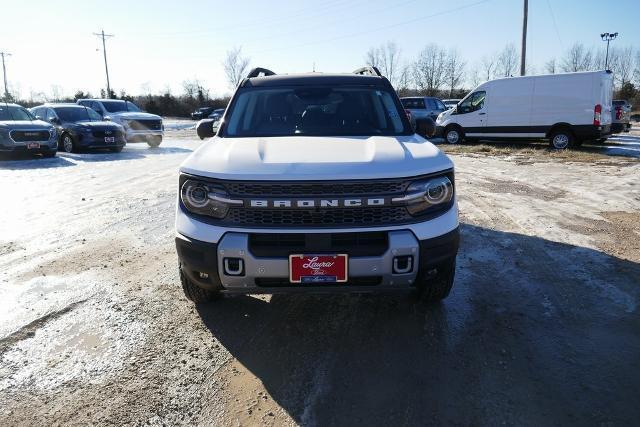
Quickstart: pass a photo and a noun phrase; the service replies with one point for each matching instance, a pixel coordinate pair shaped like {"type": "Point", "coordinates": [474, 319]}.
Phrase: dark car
{"type": "Point", "coordinates": [21, 132]}
{"type": "Point", "coordinates": [217, 114]}
{"type": "Point", "coordinates": [81, 128]}
{"type": "Point", "coordinates": [421, 107]}
{"type": "Point", "coordinates": [202, 113]}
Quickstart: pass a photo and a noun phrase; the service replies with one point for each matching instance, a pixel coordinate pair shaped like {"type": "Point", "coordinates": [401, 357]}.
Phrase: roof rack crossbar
{"type": "Point", "coordinates": [371, 71]}
{"type": "Point", "coordinates": [260, 72]}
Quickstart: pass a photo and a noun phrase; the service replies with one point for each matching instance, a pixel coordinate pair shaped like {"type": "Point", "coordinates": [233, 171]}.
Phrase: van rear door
{"type": "Point", "coordinates": [604, 85]}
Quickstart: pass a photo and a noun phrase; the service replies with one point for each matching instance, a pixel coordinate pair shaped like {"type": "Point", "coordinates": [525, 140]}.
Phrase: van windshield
{"type": "Point", "coordinates": [316, 110]}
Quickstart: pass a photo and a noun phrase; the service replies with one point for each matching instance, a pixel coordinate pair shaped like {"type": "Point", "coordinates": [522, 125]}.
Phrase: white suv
{"type": "Point", "coordinates": [316, 183]}
{"type": "Point", "coordinates": [139, 126]}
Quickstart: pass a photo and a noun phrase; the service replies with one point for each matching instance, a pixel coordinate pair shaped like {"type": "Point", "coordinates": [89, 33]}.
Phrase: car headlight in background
{"type": "Point", "coordinates": [204, 198]}
{"type": "Point", "coordinates": [427, 195]}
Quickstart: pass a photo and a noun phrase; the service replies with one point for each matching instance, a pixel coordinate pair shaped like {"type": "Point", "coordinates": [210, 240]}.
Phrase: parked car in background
{"type": "Point", "coordinates": [620, 116]}
{"type": "Point", "coordinates": [450, 103]}
{"type": "Point", "coordinates": [217, 114]}
{"type": "Point", "coordinates": [421, 107]}
{"type": "Point", "coordinates": [81, 128]}
{"type": "Point", "coordinates": [138, 125]}
{"type": "Point", "coordinates": [202, 112]}
{"type": "Point", "coordinates": [21, 132]}
{"type": "Point", "coordinates": [567, 109]}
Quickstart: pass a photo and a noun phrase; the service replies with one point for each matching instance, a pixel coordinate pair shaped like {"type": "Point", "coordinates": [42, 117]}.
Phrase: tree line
{"type": "Point", "coordinates": [443, 72]}
{"type": "Point", "coordinates": [434, 71]}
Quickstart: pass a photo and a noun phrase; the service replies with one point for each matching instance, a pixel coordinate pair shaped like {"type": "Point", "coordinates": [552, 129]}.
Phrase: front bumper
{"type": "Point", "coordinates": [269, 274]}
{"type": "Point", "coordinates": [22, 149]}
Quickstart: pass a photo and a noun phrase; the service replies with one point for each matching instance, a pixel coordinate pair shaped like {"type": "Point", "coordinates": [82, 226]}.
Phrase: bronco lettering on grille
{"type": "Point", "coordinates": [318, 203]}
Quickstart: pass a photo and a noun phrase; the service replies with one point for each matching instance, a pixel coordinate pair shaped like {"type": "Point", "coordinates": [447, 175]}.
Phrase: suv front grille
{"type": "Point", "coordinates": [327, 217]}
{"type": "Point", "coordinates": [310, 189]}
{"type": "Point", "coordinates": [30, 135]}
{"type": "Point", "coordinates": [145, 124]}
{"type": "Point", "coordinates": [111, 133]}
{"type": "Point", "coordinates": [359, 217]}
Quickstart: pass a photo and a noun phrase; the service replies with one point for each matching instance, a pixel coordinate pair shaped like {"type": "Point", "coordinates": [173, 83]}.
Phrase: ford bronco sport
{"type": "Point", "coordinates": [316, 183]}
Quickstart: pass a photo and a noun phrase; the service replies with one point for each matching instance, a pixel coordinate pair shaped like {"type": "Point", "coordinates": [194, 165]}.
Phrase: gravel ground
{"type": "Point", "coordinates": [541, 328]}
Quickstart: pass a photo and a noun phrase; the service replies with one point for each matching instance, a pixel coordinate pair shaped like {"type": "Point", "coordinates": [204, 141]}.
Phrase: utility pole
{"type": "Point", "coordinates": [4, 73]}
{"type": "Point", "coordinates": [104, 36]}
{"type": "Point", "coordinates": [607, 37]}
{"type": "Point", "coordinates": [523, 56]}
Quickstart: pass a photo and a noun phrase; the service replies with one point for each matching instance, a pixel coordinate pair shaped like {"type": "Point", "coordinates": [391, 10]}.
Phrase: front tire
{"type": "Point", "coordinates": [453, 135]}
{"type": "Point", "coordinates": [67, 143]}
{"type": "Point", "coordinates": [436, 289]}
{"type": "Point", "coordinates": [561, 139]}
{"type": "Point", "coordinates": [154, 142]}
{"type": "Point", "coordinates": [194, 292]}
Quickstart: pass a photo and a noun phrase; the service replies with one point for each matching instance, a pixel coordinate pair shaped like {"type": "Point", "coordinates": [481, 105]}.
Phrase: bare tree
{"type": "Point", "coordinates": [507, 61]}
{"type": "Point", "coordinates": [235, 66]}
{"type": "Point", "coordinates": [387, 59]}
{"type": "Point", "coordinates": [390, 61]}
{"type": "Point", "coordinates": [474, 77]}
{"type": "Point", "coordinates": [577, 58]}
{"type": "Point", "coordinates": [404, 78]}
{"type": "Point", "coordinates": [372, 57]}
{"type": "Point", "coordinates": [550, 67]}
{"type": "Point", "coordinates": [454, 69]}
{"type": "Point", "coordinates": [489, 66]}
{"type": "Point", "coordinates": [429, 69]}
{"type": "Point", "coordinates": [636, 71]}
{"type": "Point", "coordinates": [56, 93]}
{"type": "Point", "coordinates": [623, 65]}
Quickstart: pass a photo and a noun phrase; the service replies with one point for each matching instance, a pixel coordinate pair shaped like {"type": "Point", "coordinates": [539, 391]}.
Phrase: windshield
{"type": "Point", "coordinates": [76, 114]}
{"type": "Point", "coordinates": [118, 106]}
{"type": "Point", "coordinates": [13, 113]}
{"type": "Point", "coordinates": [317, 110]}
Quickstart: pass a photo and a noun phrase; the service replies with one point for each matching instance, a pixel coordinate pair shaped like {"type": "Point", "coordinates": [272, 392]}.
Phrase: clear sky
{"type": "Point", "coordinates": [161, 43]}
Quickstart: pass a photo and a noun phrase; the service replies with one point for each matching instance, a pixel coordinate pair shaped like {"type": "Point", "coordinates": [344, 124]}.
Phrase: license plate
{"type": "Point", "coordinates": [33, 145]}
{"type": "Point", "coordinates": [109, 139]}
{"type": "Point", "coordinates": [318, 268]}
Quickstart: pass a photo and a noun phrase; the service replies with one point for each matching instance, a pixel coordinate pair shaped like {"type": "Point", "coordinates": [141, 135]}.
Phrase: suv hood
{"type": "Point", "coordinates": [315, 158]}
{"type": "Point", "coordinates": [134, 116]}
{"type": "Point", "coordinates": [25, 125]}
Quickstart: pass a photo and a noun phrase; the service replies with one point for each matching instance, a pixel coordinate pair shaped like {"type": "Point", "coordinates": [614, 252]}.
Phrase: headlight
{"type": "Point", "coordinates": [427, 195]}
{"type": "Point", "coordinates": [204, 198]}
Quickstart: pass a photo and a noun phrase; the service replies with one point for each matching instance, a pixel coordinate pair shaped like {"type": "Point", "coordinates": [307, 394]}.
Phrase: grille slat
{"type": "Point", "coordinates": [274, 189]}
{"type": "Point", "coordinates": [326, 217]}
{"type": "Point", "coordinates": [353, 244]}
{"type": "Point", "coordinates": [145, 124]}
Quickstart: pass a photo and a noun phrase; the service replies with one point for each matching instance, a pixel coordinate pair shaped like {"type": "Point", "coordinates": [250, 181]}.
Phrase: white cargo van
{"type": "Point", "coordinates": [567, 109]}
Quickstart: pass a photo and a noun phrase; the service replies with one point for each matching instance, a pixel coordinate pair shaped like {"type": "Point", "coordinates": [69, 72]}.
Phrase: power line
{"type": "Point", "coordinates": [376, 29]}
{"type": "Point", "coordinates": [555, 25]}
{"type": "Point", "coordinates": [104, 36]}
{"type": "Point", "coordinates": [4, 73]}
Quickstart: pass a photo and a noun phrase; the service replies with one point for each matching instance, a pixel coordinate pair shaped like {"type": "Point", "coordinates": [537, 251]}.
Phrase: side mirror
{"type": "Point", "coordinates": [426, 127]}
{"type": "Point", "coordinates": [106, 118]}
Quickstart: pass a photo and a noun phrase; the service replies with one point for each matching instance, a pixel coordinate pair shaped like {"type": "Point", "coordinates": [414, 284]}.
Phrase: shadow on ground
{"type": "Point", "coordinates": [534, 332]}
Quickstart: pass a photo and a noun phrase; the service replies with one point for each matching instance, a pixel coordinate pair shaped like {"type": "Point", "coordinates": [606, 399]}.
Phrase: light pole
{"type": "Point", "coordinates": [607, 37]}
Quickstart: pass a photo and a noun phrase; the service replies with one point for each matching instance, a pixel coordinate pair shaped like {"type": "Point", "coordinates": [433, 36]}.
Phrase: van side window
{"type": "Point", "coordinates": [474, 102]}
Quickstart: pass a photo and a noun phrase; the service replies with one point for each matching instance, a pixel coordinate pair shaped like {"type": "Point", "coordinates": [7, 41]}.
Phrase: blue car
{"type": "Point", "coordinates": [21, 132]}
{"type": "Point", "coordinates": [80, 128]}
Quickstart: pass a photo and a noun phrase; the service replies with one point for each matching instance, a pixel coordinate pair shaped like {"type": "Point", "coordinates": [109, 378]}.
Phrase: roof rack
{"type": "Point", "coordinates": [368, 71]}
{"type": "Point", "coordinates": [260, 72]}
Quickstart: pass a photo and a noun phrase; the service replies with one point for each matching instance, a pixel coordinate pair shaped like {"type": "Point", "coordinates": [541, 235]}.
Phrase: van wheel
{"type": "Point", "coordinates": [453, 135]}
{"type": "Point", "coordinates": [561, 139]}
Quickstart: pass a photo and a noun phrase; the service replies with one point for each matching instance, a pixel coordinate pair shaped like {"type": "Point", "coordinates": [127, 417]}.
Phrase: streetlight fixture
{"type": "Point", "coordinates": [607, 37]}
